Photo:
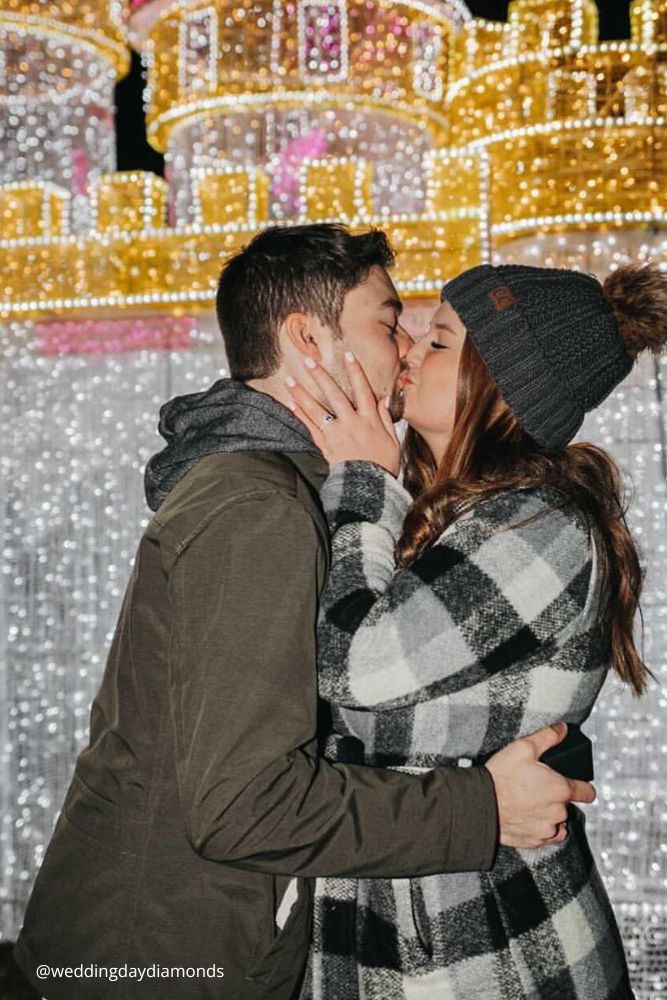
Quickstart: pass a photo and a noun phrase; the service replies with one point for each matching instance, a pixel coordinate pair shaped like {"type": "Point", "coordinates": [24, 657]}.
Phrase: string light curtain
{"type": "Point", "coordinates": [527, 141]}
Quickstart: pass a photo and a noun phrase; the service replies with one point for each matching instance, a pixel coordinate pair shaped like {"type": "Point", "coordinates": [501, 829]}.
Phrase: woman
{"type": "Point", "coordinates": [482, 601]}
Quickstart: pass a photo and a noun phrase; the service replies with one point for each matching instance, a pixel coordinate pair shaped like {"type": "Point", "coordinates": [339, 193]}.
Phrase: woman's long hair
{"type": "Point", "coordinates": [488, 452]}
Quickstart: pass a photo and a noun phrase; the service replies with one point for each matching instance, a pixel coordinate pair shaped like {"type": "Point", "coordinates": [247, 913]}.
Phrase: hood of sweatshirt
{"type": "Point", "coordinates": [229, 416]}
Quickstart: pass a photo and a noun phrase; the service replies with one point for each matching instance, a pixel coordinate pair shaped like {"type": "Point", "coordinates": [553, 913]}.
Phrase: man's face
{"type": "Point", "coordinates": [370, 328]}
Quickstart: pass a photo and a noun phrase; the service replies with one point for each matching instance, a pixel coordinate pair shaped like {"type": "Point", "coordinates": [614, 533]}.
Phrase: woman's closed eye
{"type": "Point", "coordinates": [439, 347]}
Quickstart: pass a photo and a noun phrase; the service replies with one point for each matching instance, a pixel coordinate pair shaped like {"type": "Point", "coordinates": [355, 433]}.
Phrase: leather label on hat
{"type": "Point", "coordinates": [502, 299]}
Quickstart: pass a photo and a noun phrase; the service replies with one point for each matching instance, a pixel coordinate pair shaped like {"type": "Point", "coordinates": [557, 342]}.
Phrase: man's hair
{"type": "Point", "coordinates": [307, 269]}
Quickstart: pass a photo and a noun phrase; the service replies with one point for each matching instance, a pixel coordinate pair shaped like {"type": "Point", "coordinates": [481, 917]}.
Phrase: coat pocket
{"type": "Point", "coordinates": [286, 929]}
{"type": "Point", "coordinates": [413, 928]}
{"type": "Point", "coordinates": [238, 905]}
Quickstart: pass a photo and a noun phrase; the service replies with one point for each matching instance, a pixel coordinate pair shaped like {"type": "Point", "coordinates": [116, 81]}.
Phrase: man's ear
{"type": "Point", "coordinates": [296, 334]}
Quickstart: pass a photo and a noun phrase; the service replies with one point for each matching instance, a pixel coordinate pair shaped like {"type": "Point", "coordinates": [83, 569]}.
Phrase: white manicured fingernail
{"type": "Point", "coordinates": [291, 404]}
{"type": "Point", "coordinates": [290, 381]}
{"type": "Point", "coordinates": [349, 356]}
{"type": "Point", "coordinates": [387, 401]}
{"type": "Point", "coordinates": [309, 362]}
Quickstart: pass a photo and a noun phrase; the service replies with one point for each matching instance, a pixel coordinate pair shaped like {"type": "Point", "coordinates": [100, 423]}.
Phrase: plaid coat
{"type": "Point", "coordinates": [497, 630]}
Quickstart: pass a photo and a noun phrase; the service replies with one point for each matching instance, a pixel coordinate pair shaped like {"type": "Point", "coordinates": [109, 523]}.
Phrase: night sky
{"type": "Point", "coordinates": [134, 153]}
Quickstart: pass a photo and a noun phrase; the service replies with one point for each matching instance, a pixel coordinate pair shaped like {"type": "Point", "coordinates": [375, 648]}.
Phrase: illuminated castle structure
{"type": "Point", "coordinates": [574, 129]}
{"type": "Point", "coordinates": [266, 111]}
{"type": "Point", "coordinates": [463, 136]}
{"type": "Point", "coordinates": [468, 140]}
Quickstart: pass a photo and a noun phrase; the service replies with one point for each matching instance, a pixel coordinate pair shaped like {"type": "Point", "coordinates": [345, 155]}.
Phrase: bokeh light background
{"type": "Point", "coordinates": [523, 138]}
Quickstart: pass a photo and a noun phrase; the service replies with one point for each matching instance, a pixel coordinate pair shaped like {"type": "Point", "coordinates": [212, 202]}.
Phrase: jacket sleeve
{"type": "Point", "coordinates": [243, 697]}
{"type": "Point", "coordinates": [479, 601]}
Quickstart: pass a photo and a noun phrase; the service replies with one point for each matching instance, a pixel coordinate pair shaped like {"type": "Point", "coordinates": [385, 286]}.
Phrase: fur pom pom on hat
{"type": "Point", "coordinates": [557, 342]}
{"type": "Point", "coordinates": [638, 298]}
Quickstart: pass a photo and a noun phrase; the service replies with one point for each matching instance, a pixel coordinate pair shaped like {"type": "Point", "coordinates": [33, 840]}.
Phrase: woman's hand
{"type": "Point", "coordinates": [360, 430]}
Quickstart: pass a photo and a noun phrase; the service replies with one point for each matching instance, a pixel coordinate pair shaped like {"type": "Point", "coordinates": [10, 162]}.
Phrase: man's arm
{"type": "Point", "coordinates": [242, 683]}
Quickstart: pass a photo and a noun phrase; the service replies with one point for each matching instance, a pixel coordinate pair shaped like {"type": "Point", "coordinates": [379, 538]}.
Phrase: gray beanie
{"type": "Point", "coordinates": [549, 339]}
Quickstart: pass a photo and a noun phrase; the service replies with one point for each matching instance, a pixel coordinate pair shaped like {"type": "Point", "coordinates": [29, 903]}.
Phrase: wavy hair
{"type": "Point", "coordinates": [489, 452]}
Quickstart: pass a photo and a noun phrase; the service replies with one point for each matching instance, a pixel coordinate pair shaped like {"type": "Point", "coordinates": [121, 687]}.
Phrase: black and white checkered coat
{"type": "Point", "coordinates": [496, 631]}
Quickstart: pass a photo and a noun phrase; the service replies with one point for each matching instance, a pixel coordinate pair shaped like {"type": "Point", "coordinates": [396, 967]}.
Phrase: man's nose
{"type": "Point", "coordinates": [404, 341]}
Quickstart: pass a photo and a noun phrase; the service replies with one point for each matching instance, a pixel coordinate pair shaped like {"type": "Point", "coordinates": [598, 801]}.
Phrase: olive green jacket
{"type": "Point", "coordinates": [201, 792]}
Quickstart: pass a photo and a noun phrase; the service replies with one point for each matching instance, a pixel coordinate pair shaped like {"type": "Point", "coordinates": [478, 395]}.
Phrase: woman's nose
{"type": "Point", "coordinates": [413, 355]}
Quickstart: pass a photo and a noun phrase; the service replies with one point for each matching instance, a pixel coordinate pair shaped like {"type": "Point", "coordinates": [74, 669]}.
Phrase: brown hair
{"type": "Point", "coordinates": [489, 452]}
{"type": "Point", "coordinates": [288, 269]}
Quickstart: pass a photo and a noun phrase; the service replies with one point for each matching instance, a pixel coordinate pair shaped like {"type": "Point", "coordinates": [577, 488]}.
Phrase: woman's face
{"type": "Point", "coordinates": [430, 382]}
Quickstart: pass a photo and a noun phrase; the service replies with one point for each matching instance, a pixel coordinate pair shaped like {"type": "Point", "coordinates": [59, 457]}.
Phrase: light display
{"type": "Point", "coordinates": [468, 140]}
{"type": "Point", "coordinates": [58, 65]}
{"type": "Point", "coordinates": [568, 133]}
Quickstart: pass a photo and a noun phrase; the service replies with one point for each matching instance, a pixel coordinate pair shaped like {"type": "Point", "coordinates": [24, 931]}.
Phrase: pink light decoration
{"type": "Point", "coordinates": [79, 171]}
{"type": "Point", "coordinates": [114, 336]}
{"type": "Point", "coordinates": [323, 37]}
{"type": "Point", "coordinates": [171, 197]}
{"type": "Point", "coordinates": [293, 156]}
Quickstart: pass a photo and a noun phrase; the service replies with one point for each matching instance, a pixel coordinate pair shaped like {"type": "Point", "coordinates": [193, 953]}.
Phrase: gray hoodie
{"type": "Point", "coordinates": [229, 416]}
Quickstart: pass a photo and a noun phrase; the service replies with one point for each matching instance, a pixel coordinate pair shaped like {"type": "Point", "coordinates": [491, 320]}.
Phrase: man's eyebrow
{"type": "Point", "coordinates": [393, 303]}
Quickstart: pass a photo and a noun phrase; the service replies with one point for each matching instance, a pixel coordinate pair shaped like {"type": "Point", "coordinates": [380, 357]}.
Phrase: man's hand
{"type": "Point", "coordinates": [532, 799]}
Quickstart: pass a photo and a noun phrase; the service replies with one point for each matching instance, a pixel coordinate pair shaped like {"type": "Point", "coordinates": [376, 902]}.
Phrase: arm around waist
{"type": "Point", "coordinates": [243, 698]}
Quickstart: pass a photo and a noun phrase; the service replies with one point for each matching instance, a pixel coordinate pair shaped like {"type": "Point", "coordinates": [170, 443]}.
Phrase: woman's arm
{"type": "Point", "coordinates": [479, 601]}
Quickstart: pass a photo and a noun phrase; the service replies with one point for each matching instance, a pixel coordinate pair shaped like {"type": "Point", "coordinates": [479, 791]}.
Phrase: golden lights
{"type": "Point", "coordinates": [100, 23]}
{"type": "Point", "coordinates": [495, 131]}
{"type": "Point", "coordinates": [128, 201]}
{"type": "Point", "coordinates": [32, 209]}
{"type": "Point", "coordinates": [203, 57]}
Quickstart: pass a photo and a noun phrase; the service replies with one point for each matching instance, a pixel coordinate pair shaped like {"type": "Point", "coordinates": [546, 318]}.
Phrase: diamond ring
{"type": "Point", "coordinates": [328, 418]}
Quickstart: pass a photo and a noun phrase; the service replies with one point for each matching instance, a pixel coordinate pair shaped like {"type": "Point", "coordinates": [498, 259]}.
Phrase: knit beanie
{"type": "Point", "coordinates": [549, 338]}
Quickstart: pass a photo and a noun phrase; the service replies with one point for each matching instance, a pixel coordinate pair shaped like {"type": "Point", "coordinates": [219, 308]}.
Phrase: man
{"type": "Point", "coordinates": [201, 808]}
